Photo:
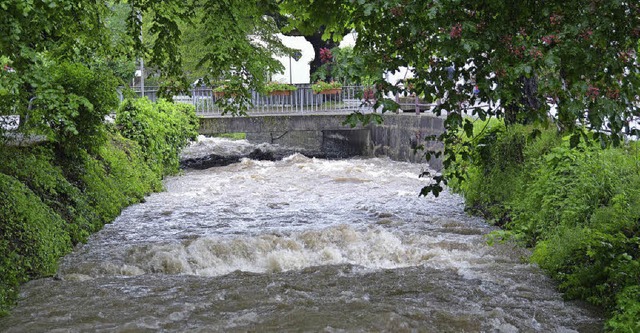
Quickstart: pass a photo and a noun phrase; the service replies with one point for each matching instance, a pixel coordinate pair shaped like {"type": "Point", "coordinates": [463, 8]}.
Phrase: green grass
{"type": "Point", "coordinates": [233, 136]}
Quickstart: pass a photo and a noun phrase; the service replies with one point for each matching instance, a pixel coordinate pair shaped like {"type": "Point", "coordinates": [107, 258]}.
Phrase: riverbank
{"type": "Point", "coordinates": [577, 208]}
{"type": "Point", "coordinates": [53, 200]}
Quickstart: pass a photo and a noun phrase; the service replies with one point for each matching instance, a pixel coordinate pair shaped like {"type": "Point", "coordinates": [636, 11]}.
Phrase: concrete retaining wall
{"type": "Point", "coordinates": [400, 134]}
{"type": "Point", "coordinates": [396, 137]}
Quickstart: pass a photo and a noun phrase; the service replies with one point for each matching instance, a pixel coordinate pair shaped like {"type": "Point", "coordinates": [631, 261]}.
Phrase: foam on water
{"type": "Point", "coordinates": [372, 248]}
{"type": "Point", "coordinates": [204, 146]}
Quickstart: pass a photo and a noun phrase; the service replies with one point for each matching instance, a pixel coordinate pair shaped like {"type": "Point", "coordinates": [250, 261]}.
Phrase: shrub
{"type": "Point", "coordinates": [72, 101]}
{"type": "Point", "coordinates": [35, 168]}
{"type": "Point", "coordinates": [161, 129]}
{"type": "Point", "coordinates": [579, 208]}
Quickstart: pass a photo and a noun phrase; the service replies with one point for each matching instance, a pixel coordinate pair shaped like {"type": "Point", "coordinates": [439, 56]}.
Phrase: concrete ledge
{"type": "Point", "coordinates": [273, 123]}
{"type": "Point", "coordinates": [397, 137]}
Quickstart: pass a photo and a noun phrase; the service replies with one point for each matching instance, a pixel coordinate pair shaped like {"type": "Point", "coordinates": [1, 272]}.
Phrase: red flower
{"type": "Point", "coordinates": [397, 11]}
{"type": "Point", "coordinates": [535, 53]}
{"type": "Point", "coordinates": [593, 92]}
{"type": "Point", "coordinates": [456, 31]}
{"type": "Point", "coordinates": [586, 35]}
{"type": "Point", "coordinates": [613, 93]}
{"type": "Point", "coordinates": [550, 40]}
{"type": "Point", "coordinates": [325, 55]}
{"type": "Point", "coordinates": [369, 94]}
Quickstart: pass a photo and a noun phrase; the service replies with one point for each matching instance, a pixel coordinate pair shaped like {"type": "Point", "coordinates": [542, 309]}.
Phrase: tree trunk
{"type": "Point", "coordinates": [529, 103]}
{"type": "Point", "coordinates": [318, 43]}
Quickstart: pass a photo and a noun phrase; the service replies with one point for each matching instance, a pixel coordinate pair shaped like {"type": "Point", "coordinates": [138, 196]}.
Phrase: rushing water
{"type": "Point", "coordinates": [296, 245]}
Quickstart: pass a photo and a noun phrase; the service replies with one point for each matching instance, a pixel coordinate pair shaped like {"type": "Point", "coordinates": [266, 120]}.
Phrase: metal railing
{"type": "Point", "coordinates": [302, 100]}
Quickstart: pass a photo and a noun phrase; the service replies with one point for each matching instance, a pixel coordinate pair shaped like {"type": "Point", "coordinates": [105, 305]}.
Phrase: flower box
{"type": "Point", "coordinates": [278, 89]}
{"type": "Point", "coordinates": [326, 88]}
{"type": "Point", "coordinates": [330, 91]}
{"type": "Point", "coordinates": [280, 93]}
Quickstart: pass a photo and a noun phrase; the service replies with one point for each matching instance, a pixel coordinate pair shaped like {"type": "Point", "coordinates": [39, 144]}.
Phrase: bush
{"type": "Point", "coordinates": [116, 178]}
{"type": "Point", "coordinates": [579, 208]}
{"type": "Point", "coordinates": [36, 169]}
{"type": "Point", "coordinates": [71, 103]}
{"type": "Point", "coordinates": [161, 129]}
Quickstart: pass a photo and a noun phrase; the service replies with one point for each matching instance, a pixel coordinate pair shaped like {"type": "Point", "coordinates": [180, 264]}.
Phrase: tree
{"type": "Point", "coordinates": [527, 58]}
{"type": "Point", "coordinates": [39, 41]}
{"type": "Point", "coordinates": [294, 20]}
{"type": "Point", "coordinates": [231, 39]}
{"type": "Point", "coordinates": [344, 65]}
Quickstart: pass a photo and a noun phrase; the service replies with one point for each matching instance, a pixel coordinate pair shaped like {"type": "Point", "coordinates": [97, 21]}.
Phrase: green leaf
{"type": "Point", "coordinates": [368, 9]}
{"type": "Point", "coordinates": [468, 128]}
{"type": "Point", "coordinates": [574, 141]}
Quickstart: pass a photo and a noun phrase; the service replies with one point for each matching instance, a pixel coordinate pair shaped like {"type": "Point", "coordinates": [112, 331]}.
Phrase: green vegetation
{"type": "Point", "coordinates": [52, 200]}
{"type": "Point", "coordinates": [162, 129]}
{"type": "Point", "coordinates": [273, 87]}
{"type": "Point", "coordinates": [72, 102]}
{"type": "Point", "coordinates": [321, 86]}
{"type": "Point", "coordinates": [233, 136]}
{"type": "Point", "coordinates": [579, 209]}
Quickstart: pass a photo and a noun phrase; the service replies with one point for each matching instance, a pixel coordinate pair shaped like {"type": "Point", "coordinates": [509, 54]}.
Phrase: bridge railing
{"type": "Point", "coordinates": [302, 100]}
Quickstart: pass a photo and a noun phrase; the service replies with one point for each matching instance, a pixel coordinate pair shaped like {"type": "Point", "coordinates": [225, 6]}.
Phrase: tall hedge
{"type": "Point", "coordinates": [578, 208]}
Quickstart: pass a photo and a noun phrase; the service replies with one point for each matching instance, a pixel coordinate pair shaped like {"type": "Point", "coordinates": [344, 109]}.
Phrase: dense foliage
{"type": "Point", "coordinates": [31, 240]}
{"type": "Point", "coordinates": [231, 40]}
{"type": "Point", "coordinates": [162, 129]}
{"type": "Point", "coordinates": [47, 208]}
{"type": "Point", "coordinates": [56, 59]}
{"type": "Point", "coordinates": [524, 56]}
{"type": "Point", "coordinates": [53, 201]}
{"type": "Point", "coordinates": [71, 104]}
{"type": "Point", "coordinates": [578, 208]}
{"type": "Point", "coordinates": [342, 64]}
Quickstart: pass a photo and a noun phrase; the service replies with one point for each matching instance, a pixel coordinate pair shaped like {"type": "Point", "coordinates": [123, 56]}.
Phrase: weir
{"type": "Point", "coordinates": [397, 136]}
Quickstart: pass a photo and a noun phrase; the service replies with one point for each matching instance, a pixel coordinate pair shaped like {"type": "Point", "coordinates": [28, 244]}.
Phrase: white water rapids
{"type": "Point", "coordinates": [301, 245]}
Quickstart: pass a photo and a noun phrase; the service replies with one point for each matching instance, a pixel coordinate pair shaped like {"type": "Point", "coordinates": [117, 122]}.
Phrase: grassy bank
{"type": "Point", "coordinates": [55, 197]}
{"type": "Point", "coordinates": [577, 208]}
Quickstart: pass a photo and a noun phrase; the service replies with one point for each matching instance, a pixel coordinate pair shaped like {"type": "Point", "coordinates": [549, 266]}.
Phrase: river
{"type": "Point", "coordinates": [300, 244]}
